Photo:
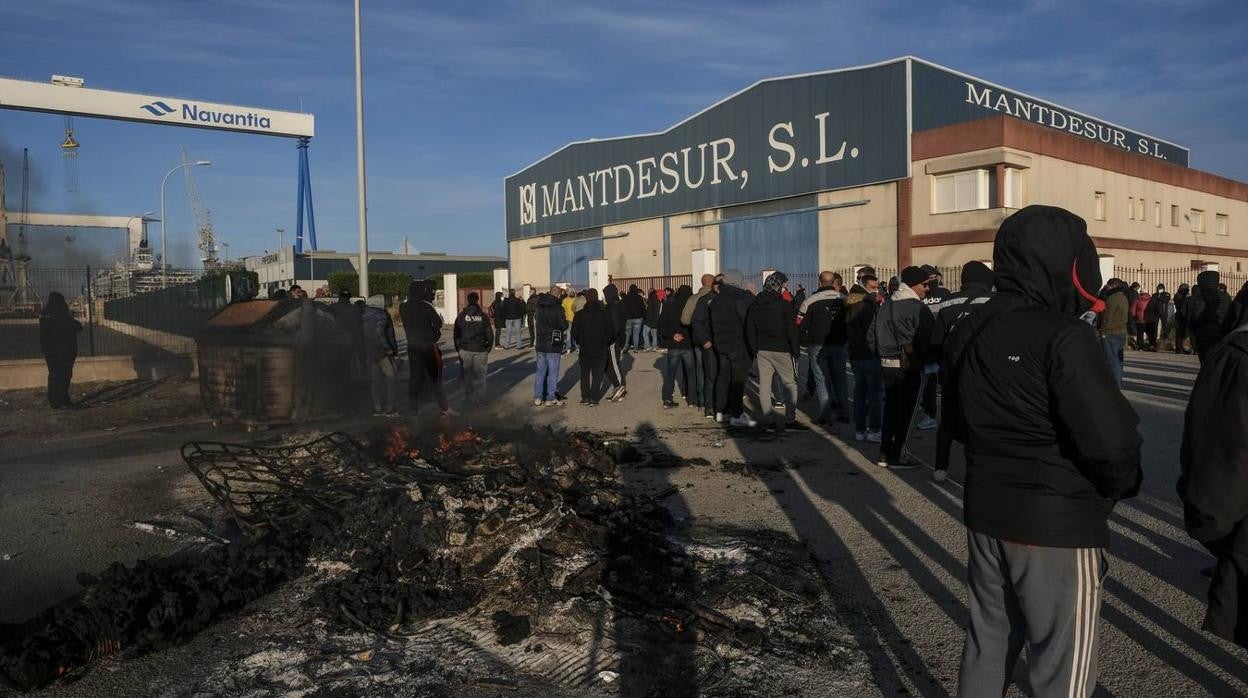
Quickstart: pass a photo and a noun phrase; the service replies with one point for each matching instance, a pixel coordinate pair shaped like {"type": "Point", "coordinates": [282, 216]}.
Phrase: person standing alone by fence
{"type": "Point", "coordinates": [58, 340]}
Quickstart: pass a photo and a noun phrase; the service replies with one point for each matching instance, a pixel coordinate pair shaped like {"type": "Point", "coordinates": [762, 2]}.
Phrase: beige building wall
{"type": "Point", "coordinates": [685, 240]}
{"type": "Point", "coordinates": [864, 234]}
{"type": "Point", "coordinates": [530, 266]}
{"type": "Point", "coordinates": [952, 255]}
{"type": "Point", "coordinates": [638, 254]}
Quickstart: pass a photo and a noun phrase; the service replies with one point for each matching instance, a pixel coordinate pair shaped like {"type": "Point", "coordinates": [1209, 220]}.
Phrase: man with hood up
{"type": "Point", "coordinates": [423, 326]}
{"type": "Point", "coordinates": [616, 325]}
{"type": "Point", "coordinates": [772, 339]}
{"type": "Point", "coordinates": [674, 337]}
{"type": "Point", "coordinates": [1214, 480]}
{"type": "Point", "coordinates": [1207, 309]}
{"type": "Point", "coordinates": [726, 319]}
{"type": "Point", "coordinates": [549, 330]}
{"type": "Point", "coordinates": [695, 316]}
{"type": "Point", "coordinates": [591, 329]}
{"type": "Point", "coordinates": [1112, 324]}
{"type": "Point", "coordinates": [58, 341]}
{"type": "Point", "coordinates": [977, 281]}
{"type": "Point", "coordinates": [1051, 445]}
{"type": "Point", "coordinates": [1180, 318]}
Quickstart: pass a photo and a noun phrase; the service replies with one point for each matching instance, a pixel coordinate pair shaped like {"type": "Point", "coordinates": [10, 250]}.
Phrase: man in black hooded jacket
{"type": "Point", "coordinates": [1051, 445]}
{"type": "Point", "coordinates": [423, 326]}
{"type": "Point", "coordinates": [1214, 480]}
{"type": "Point", "coordinates": [1206, 312]}
{"type": "Point", "coordinates": [592, 332]}
{"type": "Point", "coordinates": [678, 364]}
{"type": "Point", "coordinates": [616, 323]}
{"type": "Point", "coordinates": [726, 318]}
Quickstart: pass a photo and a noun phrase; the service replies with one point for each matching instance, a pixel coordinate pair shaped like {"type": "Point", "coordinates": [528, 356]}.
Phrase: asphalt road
{"type": "Point", "coordinates": [891, 545]}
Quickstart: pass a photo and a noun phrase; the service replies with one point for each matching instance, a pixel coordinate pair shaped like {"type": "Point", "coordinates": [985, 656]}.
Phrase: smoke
{"type": "Point", "coordinates": [97, 248]}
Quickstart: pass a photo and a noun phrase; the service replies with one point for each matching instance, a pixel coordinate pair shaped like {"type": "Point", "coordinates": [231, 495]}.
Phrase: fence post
{"type": "Point", "coordinates": [90, 312]}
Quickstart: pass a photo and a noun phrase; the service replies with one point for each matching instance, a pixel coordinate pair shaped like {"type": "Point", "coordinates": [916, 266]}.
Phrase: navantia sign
{"type": "Point", "coordinates": [171, 111]}
{"type": "Point", "coordinates": [943, 97]}
{"type": "Point", "coordinates": [776, 139]}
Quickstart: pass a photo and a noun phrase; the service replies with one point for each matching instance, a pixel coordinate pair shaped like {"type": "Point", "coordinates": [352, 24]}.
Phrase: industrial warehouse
{"type": "Point", "coordinates": [888, 164]}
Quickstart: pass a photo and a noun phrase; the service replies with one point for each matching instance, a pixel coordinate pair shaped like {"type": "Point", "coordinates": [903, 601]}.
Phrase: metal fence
{"type": "Point", "coordinates": [122, 313]}
{"type": "Point", "coordinates": [645, 283]}
{"type": "Point", "coordinates": [1172, 278]}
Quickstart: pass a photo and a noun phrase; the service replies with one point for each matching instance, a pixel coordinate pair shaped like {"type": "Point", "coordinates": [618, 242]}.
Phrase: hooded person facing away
{"type": "Point", "coordinates": [423, 326]}
{"type": "Point", "coordinates": [1214, 480]}
{"type": "Point", "coordinates": [1051, 445]}
{"type": "Point", "coordinates": [726, 320]}
{"type": "Point", "coordinates": [1206, 311]}
{"type": "Point", "coordinates": [592, 331]}
{"type": "Point", "coordinates": [616, 323]}
{"type": "Point", "coordinates": [58, 341]}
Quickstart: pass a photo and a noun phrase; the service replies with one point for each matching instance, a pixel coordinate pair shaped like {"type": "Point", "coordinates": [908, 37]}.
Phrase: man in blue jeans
{"type": "Point", "coordinates": [634, 317]}
{"type": "Point", "coordinates": [550, 329]}
{"type": "Point", "coordinates": [1112, 325]}
{"type": "Point", "coordinates": [822, 319]}
{"type": "Point", "coordinates": [868, 376]}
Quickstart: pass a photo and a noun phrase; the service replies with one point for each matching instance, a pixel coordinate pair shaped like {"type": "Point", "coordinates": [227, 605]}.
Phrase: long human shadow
{"type": "Point", "coordinates": [654, 660]}
{"type": "Point", "coordinates": [891, 654]}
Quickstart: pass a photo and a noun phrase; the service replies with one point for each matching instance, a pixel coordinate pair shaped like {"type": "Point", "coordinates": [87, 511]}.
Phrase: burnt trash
{"type": "Point", "coordinates": [518, 545]}
{"type": "Point", "coordinates": [275, 361]}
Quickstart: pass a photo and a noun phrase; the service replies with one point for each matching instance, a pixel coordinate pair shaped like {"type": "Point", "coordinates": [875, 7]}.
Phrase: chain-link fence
{"type": "Point", "coordinates": [122, 312]}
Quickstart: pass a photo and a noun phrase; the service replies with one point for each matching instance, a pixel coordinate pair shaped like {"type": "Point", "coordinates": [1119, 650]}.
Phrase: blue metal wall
{"type": "Point", "coordinates": [570, 262]}
{"type": "Point", "coordinates": [787, 243]}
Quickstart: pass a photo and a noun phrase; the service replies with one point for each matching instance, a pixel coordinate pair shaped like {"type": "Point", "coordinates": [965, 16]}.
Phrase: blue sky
{"type": "Point", "coordinates": [459, 95]}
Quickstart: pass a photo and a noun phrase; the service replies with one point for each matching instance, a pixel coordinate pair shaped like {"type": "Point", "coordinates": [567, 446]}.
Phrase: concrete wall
{"type": "Point", "coordinates": [638, 254]}
{"type": "Point", "coordinates": [858, 234]}
{"type": "Point", "coordinates": [33, 373]}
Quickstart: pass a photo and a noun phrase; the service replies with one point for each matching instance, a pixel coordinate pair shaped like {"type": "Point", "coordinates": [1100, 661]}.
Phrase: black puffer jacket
{"type": "Point", "coordinates": [669, 320]}
{"type": "Point", "coordinates": [1214, 481]}
{"type": "Point", "coordinates": [1206, 312]}
{"type": "Point", "coordinates": [971, 298]}
{"type": "Point", "coordinates": [700, 326]}
{"type": "Point", "coordinates": [771, 325]}
{"type": "Point", "coordinates": [1051, 442]}
{"type": "Point", "coordinates": [615, 314]}
{"type": "Point", "coordinates": [654, 308]}
{"type": "Point", "coordinates": [822, 318]}
{"type": "Point", "coordinates": [591, 328]}
{"type": "Point", "coordinates": [473, 331]}
{"type": "Point", "coordinates": [549, 324]}
{"type": "Point", "coordinates": [727, 319]}
{"type": "Point", "coordinates": [634, 304]}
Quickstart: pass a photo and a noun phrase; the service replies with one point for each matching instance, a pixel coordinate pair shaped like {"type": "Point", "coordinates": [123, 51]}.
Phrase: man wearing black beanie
{"type": "Point", "coordinates": [899, 334]}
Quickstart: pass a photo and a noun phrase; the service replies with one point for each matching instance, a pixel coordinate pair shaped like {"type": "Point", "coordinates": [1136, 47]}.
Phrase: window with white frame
{"type": "Point", "coordinates": [1174, 215]}
{"type": "Point", "coordinates": [1013, 196]}
{"type": "Point", "coordinates": [1100, 205]}
{"type": "Point", "coordinates": [1140, 211]}
{"type": "Point", "coordinates": [1157, 213]}
{"type": "Point", "coordinates": [960, 191]}
{"type": "Point", "coordinates": [1197, 220]}
{"type": "Point", "coordinates": [1222, 224]}
{"type": "Point", "coordinates": [1130, 208]}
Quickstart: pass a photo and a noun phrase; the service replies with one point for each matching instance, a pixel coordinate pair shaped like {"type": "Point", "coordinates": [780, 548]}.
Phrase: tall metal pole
{"type": "Point", "coordinates": [359, 156]}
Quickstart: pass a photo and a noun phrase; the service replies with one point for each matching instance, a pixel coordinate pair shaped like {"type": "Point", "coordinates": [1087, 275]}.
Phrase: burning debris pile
{"type": "Point", "coordinates": [525, 543]}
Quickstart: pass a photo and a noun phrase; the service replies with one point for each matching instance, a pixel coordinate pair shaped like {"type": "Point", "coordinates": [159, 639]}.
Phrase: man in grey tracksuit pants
{"type": "Point", "coordinates": [1051, 445]}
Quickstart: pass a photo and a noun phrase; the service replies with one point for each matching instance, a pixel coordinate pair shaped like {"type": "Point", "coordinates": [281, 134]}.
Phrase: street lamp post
{"type": "Point", "coordinates": [359, 156]}
{"type": "Point", "coordinates": [164, 253]}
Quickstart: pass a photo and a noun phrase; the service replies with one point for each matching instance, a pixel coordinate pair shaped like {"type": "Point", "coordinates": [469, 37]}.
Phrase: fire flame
{"type": "Point", "coordinates": [463, 436]}
{"type": "Point", "coordinates": [398, 445]}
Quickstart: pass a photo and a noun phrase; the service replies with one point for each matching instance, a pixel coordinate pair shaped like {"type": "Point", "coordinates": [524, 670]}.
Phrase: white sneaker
{"type": "Point", "coordinates": [940, 475]}
{"type": "Point", "coordinates": [742, 421]}
{"type": "Point", "coordinates": [927, 423]}
{"type": "Point", "coordinates": [538, 402]}
{"type": "Point", "coordinates": [719, 417]}
{"type": "Point", "coordinates": [874, 437]}
{"type": "Point", "coordinates": [860, 436]}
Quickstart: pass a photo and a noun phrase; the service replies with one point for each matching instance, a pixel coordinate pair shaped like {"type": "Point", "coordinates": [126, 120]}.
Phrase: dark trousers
{"type": "Point", "coordinates": [734, 370]}
{"type": "Point", "coordinates": [1180, 336]}
{"type": "Point", "coordinates": [425, 364]}
{"type": "Point", "coordinates": [901, 392]}
{"type": "Point", "coordinates": [929, 398]}
{"type": "Point", "coordinates": [591, 376]}
{"type": "Point", "coordinates": [615, 372]}
{"type": "Point", "coordinates": [708, 370]}
{"type": "Point", "coordinates": [60, 373]}
{"type": "Point", "coordinates": [678, 366]}
{"type": "Point", "coordinates": [532, 330]}
{"type": "Point", "coordinates": [1150, 333]}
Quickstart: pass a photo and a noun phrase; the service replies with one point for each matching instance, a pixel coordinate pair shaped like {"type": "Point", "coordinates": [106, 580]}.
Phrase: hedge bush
{"type": "Point", "coordinates": [387, 283]}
